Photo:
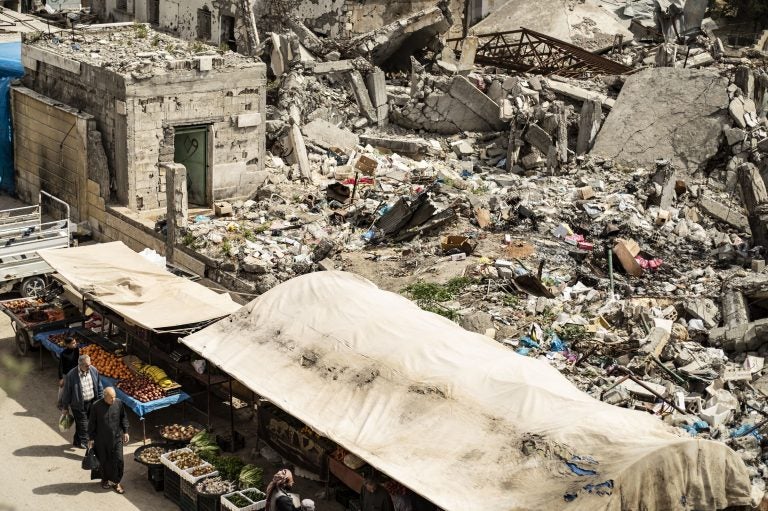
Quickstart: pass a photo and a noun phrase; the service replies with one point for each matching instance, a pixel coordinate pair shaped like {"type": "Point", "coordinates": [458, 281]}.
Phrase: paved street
{"type": "Point", "coordinates": [40, 470]}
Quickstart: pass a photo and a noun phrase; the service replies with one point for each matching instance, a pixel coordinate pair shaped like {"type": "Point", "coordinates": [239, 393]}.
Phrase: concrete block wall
{"type": "Point", "coordinates": [235, 116]}
{"type": "Point", "coordinates": [88, 89]}
{"type": "Point", "coordinates": [50, 150]}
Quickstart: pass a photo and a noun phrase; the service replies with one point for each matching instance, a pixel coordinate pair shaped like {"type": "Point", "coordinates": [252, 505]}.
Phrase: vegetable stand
{"type": "Point", "coordinates": [30, 316]}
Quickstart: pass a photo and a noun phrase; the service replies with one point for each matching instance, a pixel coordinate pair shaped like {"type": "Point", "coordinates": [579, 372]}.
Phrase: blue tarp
{"type": "Point", "coordinates": [43, 338]}
{"type": "Point", "coordinates": [10, 69]}
{"type": "Point", "coordinates": [139, 408]}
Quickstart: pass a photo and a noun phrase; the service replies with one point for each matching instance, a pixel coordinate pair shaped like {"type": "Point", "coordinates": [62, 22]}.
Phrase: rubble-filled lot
{"type": "Point", "coordinates": [613, 225]}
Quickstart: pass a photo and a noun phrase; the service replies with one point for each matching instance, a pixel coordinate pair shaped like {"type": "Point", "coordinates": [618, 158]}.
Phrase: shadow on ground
{"type": "Point", "coordinates": [70, 488]}
{"type": "Point", "coordinates": [51, 451]}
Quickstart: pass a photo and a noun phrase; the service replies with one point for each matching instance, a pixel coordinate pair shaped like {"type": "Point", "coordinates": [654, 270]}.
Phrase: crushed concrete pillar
{"type": "Point", "coordinates": [300, 152]}
{"type": "Point", "coordinates": [377, 90]}
{"type": "Point", "coordinates": [761, 98]}
{"type": "Point", "coordinates": [745, 80]}
{"type": "Point", "coordinates": [666, 55]}
{"type": "Point", "coordinates": [589, 125]}
{"type": "Point", "coordinates": [360, 91]}
{"type": "Point", "coordinates": [248, 21]}
{"type": "Point", "coordinates": [538, 138]}
{"type": "Point", "coordinates": [756, 201]}
{"type": "Point", "coordinates": [562, 132]}
{"type": "Point", "coordinates": [734, 308]}
{"type": "Point", "coordinates": [665, 179]}
{"type": "Point", "coordinates": [468, 53]}
{"type": "Point", "coordinates": [515, 143]}
{"type": "Point", "coordinates": [177, 204]}
{"type": "Point", "coordinates": [280, 54]}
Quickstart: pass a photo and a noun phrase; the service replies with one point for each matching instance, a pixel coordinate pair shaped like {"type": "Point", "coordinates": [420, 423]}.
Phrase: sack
{"type": "Point", "coordinates": [90, 461]}
{"type": "Point", "coordinates": [65, 421]}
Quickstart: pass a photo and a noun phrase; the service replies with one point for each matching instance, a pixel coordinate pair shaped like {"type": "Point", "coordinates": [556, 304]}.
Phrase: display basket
{"type": "Point", "coordinates": [252, 506]}
{"type": "Point", "coordinates": [170, 464]}
{"type": "Point", "coordinates": [137, 454]}
{"type": "Point", "coordinates": [171, 485]}
{"type": "Point", "coordinates": [187, 474]}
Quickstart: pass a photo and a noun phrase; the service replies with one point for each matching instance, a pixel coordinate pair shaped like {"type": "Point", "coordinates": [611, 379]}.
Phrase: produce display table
{"type": "Point", "coordinates": [139, 408]}
{"type": "Point", "coordinates": [44, 339]}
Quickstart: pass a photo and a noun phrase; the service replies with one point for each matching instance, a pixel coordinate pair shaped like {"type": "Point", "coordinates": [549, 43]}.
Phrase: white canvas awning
{"type": "Point", "coordinates": [455, 416]}
{"type": "Point", "coordinates": [140, 291]}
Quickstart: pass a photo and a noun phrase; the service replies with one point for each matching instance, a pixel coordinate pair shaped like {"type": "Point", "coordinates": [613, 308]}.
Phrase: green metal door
{"type": "Point", "coordinates": [190, 149]}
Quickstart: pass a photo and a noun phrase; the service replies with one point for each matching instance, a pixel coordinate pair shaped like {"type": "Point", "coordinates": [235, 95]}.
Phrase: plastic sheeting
{"type": "Point", "coordinates": [140, 291]}
{"type": "Point", "coordinates": [455, 416]}
{"type": "Point", "coordinates": [10, 69]}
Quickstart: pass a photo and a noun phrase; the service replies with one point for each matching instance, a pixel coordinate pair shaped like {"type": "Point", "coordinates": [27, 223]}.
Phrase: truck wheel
{"type": "Point", "coordinates": [22, 342]}
{"type": "Point", "coordinates": [33, 287]}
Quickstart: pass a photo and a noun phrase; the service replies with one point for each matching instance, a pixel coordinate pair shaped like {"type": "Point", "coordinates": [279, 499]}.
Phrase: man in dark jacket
{"type": "Point", "coordinates": [68, 359]}
{"type": "Point", "coordinates": [82, 386]}
{"type": "Point", "coordinates": [107, 433]}
{"type": "Point", "coordinates": [373, 497]}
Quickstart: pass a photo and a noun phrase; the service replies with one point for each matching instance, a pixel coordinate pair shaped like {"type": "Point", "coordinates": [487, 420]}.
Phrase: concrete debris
{"type": "Point", "coordinates": [669, 113]}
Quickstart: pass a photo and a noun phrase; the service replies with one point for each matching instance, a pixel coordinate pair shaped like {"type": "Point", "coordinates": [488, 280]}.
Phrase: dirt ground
{"type": "Point", "coordinates": [40, 470]}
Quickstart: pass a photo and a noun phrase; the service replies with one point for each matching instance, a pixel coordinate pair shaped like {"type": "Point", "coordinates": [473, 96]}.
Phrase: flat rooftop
{"type": "Point", "coordinates": [128, 48]}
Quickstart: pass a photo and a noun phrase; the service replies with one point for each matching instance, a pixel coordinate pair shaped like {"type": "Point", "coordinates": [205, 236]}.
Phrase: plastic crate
{"type": "Point", "coordinates": [171, 465]}
{"type": "Point", "coordinates": [171, 485]}
{"type": "Point", "coordinates": [155, 475]}
{"type": "Point", "coordinates": [188, 496]}
{"type": "Point", "coordinates": [206, 502]}
{"type": "Point", "coordinates": [188, 477]}
{"type": "Point", "coordinates": [254, 506]}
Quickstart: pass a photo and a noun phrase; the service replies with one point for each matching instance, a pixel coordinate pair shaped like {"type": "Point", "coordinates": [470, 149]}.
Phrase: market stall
{"type": "Point", "coordinates": [143, 309]}
{"type": "Point", "coordinates": [453, 415]}
{"type": "Point", "coordinates": [30, 316]}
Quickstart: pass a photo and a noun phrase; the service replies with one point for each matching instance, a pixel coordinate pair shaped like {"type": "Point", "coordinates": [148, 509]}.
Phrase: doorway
{"type": "Point", "coordinates": [153, 14]}
{"type": "Point", "coordinates": [191, 150]}
{"type": "Point", "coordinates": [227, 34]}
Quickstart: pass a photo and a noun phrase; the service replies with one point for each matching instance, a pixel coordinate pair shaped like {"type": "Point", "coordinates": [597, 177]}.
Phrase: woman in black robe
{"type": "Point", "coordinates": [107, 433]}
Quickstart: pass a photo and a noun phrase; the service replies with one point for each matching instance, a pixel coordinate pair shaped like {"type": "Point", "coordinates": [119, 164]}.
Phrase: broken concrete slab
{"type": "Point", "coordinates": [731, 215]}
{"type": "Point", "coordinates": [377, 90]}
{"type": "Point", "coordinates": [538, 138]}
{"type": "Point", "coordinates": [401, 145]}
{"type": "Point", "coordinates": [476, 101]}
{"type": "Point", "coordinates": [468, 52]}
{"type": "Point", "coordinates": [326, 135]}
{"type": "Point", "coordinates": [337, 66]}
{"type": "Point", "coordinates": [401, 37]}
{"type": "Point", "coordinates": [579, 94]}
{"type": "Point", "coordinates": [589, 125]}
{"type": "Point", "coordinates": [462, 148]}
{"type": "Point", "coordinates": [666, 113]}
{"type": "Point", "coordinates": [756, 202]}
{"type": "Point", "coordinates": [743, 112]}
{"type": "Point", "coordinates": [703, 309]}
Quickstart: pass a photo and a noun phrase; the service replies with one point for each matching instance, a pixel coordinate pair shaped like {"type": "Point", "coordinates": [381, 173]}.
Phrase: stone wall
{"type": "Point", "coordinates": [50, 150]}
{"type": "Point", "coordinates": [88, 89]}
{"type": "Point", "coordinates": [235, 116]}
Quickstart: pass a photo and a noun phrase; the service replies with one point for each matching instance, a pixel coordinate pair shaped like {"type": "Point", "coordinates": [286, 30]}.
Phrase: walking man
{"type": "Point", "coordinates": [107, 433]}
{"type": "Point", "coordinates": [82, 386]}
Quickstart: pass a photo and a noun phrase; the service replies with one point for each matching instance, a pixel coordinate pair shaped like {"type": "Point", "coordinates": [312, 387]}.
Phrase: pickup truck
{"type": "Point", "coordinates": [22, 234]}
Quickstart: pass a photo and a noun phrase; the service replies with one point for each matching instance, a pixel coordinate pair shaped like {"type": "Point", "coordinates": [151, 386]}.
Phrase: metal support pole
{"type": "Point", "coordinates": [231, 415]}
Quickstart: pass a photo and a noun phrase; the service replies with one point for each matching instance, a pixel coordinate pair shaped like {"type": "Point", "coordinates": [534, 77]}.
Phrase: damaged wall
{"type": "Point", "coordinates": [182, 18]}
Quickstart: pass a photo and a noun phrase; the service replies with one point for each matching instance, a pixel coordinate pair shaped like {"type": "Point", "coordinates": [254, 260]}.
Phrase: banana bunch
{"type": "Point", "coordinates": [153, 372]}
{"type": "Point", "coordinates": [166, 383]}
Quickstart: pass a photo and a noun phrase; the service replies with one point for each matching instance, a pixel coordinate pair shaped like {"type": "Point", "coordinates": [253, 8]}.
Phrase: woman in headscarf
{"type": "Point", "coordinates": [278, 498]}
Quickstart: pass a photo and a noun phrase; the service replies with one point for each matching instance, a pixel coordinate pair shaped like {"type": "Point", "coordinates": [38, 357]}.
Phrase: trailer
{"type": "Point", "coordinates": [23, 233]}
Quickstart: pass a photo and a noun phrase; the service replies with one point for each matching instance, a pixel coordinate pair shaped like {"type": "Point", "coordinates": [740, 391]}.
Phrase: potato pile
{"type": "Point", "coordinates": [108, 364]}
{"type": "Point", "coordinates": [179, 432]}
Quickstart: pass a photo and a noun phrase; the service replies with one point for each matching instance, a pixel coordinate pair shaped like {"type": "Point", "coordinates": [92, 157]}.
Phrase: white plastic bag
{"type": "Point", "coordinates": [65, 421]}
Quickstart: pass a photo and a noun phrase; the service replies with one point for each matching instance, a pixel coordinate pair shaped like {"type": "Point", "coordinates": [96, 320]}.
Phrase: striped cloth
{"type": "Point", "coordinates": [86, 383]}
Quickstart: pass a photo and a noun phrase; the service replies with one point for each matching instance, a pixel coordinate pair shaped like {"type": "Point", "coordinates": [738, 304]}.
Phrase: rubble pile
{"type": "Point", "coordinates": [612, 225]}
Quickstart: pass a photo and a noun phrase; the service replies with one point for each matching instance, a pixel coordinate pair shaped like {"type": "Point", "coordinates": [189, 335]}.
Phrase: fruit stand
{"type": "Point", "coordinates": [30, 316]}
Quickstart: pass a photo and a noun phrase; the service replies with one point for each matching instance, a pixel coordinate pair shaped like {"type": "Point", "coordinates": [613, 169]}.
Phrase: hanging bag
{"type": "Point", "coordinates": [90, 461]}
{"type": "Point", "coordinates": [65, 421]}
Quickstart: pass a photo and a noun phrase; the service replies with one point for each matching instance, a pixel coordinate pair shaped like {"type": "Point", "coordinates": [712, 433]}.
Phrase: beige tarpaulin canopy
{"type": "Point", "coordinates": [140, 291]}
{"type": "Point", "coordinates": [455, 416]}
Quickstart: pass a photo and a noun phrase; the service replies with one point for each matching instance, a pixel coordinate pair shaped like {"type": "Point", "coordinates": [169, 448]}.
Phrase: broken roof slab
{"type": "Point", "coordinates": [587, 24]}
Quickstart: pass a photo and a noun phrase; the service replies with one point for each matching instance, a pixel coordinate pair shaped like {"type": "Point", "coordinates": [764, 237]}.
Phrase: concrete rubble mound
{"type": "Point", "coordinates": [615, 226]}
